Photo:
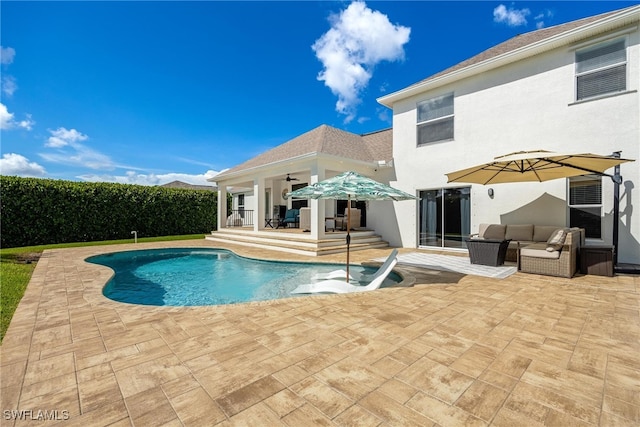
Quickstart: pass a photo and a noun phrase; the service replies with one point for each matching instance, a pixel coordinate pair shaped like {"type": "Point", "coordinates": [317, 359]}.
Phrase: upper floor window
{"type": "Point", "coordinates": [601, 69]}
{"type": "Point", "coordinates": [435, 119]}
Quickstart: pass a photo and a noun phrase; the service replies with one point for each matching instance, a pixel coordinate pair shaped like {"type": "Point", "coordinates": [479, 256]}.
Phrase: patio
{"type": "Point", "coordinates": [451, 350]}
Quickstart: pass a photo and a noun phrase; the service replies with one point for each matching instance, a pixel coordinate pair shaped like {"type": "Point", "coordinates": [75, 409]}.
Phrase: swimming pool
{"type": "Point", "coordinates": [190, 277]}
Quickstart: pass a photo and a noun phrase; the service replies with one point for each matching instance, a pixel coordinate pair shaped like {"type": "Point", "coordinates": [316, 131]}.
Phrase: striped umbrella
{"type": "Point", "coordinates": [350, 186]}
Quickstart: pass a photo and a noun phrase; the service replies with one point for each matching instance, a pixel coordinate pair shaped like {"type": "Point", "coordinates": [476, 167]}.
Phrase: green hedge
{"type": "Point", "coordinates": [44, 211]}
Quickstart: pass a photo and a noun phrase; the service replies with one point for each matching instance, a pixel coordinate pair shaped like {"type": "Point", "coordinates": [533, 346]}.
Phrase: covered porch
{"type": "Point", "coordinates": [259, 204]}
{"type": "Point", "coordinates": [259, 186]}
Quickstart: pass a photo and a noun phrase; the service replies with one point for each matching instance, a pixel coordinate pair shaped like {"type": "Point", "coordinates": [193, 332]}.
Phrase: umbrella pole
{"type": "Point", "coordinates": [348, 233]}
{"type": "Point", "coordinates": [617, 179]}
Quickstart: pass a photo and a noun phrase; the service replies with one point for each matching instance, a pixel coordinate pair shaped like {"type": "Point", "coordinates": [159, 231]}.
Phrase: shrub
{"type": "Point", "coordinates": [44, 211]}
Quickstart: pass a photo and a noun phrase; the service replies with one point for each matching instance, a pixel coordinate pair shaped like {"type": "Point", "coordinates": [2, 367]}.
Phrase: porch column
{"type": "Point", "coordinates": [317, 206]}
{"type": "Point", "coordinates": [258, 202]}
{"type": "Point", "coordinates": [222, 206]}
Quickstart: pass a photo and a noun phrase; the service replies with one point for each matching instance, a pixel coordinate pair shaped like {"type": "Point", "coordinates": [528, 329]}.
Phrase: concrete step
{"type": "Point", "coordinates": [299, 243]}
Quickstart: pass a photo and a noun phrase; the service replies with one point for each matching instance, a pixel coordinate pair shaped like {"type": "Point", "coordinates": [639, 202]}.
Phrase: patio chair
{"type": "Point", "coordinates": [337, 286]}
{"type": "Point", "coordinates": [342, 274]}
{"type": "Point", "coordinates": [291, 217]}
{"type": "Point", "coordinates": [354, 220]}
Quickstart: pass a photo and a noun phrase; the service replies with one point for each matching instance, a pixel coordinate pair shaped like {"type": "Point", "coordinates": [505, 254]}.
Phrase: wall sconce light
{"type": "Point", "coordinates": [490, 192]}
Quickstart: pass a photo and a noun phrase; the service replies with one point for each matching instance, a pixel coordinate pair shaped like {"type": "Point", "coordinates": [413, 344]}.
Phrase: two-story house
{"type": "Point", "coordinates": [571, 88]}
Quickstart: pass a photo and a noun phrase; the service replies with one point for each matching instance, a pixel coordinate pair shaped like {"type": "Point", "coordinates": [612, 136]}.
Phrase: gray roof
{"type": "Point", "coordinates": [518, 43]}
{"type": "Point", "coordinates": [325, 140]}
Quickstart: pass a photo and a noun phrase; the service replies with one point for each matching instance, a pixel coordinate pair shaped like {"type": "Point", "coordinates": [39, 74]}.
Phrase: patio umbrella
{"type": "Point", "coordinates": [542, 165]}
{"type": "Point", "coordinates": [350, 186]}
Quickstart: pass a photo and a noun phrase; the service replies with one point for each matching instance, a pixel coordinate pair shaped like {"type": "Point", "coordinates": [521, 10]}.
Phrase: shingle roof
{"type": "Point", "coordinates": [325, 140]}
{"type": "Point", "coordinates": [518, 42]}
{"type": "Point", "coordinates": [523, 44]}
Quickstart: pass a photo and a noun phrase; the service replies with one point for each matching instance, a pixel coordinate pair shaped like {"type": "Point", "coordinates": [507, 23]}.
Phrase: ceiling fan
{"type": "Point", "coordinates": [288, 178]}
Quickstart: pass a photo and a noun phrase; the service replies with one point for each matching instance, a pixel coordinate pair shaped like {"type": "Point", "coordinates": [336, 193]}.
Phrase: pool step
{"type": "Point", "coordinates": [299, 242]}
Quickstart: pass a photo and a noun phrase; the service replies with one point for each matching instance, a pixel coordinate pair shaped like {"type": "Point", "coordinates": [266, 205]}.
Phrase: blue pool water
{"type": "Point", "coordinates": [188, 277]}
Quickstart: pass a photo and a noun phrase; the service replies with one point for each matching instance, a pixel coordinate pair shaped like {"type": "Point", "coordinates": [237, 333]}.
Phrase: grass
{"type": "Point", "coordinates": [17, 265]}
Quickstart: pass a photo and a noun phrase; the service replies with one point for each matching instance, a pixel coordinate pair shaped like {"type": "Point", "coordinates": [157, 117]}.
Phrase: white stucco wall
{"type": "Point", "coordinates": [529, 105]}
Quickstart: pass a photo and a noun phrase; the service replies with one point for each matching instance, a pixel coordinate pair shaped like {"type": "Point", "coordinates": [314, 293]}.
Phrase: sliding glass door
{"type": "Point", "coordinates": [445, 217]}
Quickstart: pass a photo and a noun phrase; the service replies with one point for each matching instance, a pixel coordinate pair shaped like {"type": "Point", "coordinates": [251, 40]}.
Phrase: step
{"type": "Point", "coordinates": [299, 244]}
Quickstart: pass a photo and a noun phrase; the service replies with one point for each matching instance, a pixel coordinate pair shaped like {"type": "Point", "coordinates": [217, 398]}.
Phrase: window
{"type": "Point", "coordinates": [585, 204]}
{"type": "Point", "coordinates": [241, 205]}
{"type": "Point", "coordinates": [601, 69]}
{"type": "Point", "coordinates": [435, 119]}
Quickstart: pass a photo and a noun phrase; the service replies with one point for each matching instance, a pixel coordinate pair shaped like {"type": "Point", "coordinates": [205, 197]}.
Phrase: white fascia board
{"type": "Point", "coordinates": [615, 21]}
{"type": "Point", "coordinates": [250, 172]}
{"type": "Point", "coordinates": [242, 175]}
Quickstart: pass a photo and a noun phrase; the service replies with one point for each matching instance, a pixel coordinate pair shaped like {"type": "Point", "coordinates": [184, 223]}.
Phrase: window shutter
{"type": "Point", "coordinates": [610, 80]}
{"type": "Point", "coordinates": [600, 57]}
{"type": "Point", "coordinates": [585, 191]}
{"type": "Point", "coordinates": [441, 130]}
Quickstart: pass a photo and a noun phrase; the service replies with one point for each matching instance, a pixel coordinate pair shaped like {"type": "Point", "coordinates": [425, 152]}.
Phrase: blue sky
{"type": "Point", "coordinates": [151, 92]}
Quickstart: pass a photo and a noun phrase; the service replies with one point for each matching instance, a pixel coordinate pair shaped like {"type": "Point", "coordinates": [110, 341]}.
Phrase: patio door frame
{"type": "Point", "coordinates": [465, 224]}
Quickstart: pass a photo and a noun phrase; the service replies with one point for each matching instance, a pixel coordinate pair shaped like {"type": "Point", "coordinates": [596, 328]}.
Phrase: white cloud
{"type": "Point", "coordinates": [6, 55]}
{"type": "Point", "coordinates": [9, 85]}
{"type": "Point", "coordinates": [80, 156]}
{"type": "Point", "coordinates": [359, 39]}
{"type": "Point", "coordinates": [539, 18]}
{"type": "Point", "coordinates": [383, 115]}
{"type": "Point", "coordinates": [71, 151]}
{"type": "Point", "coordinates": [7, 120]}
{"type": "Point", "coordinates": [62, 137]}
{"type": "Point", "coordinates": [16, 164]}
{"type": "Point", "coordinates": [511, 17]}
{"type": "Point", "coordinates": [132, 177]}
{"type": "Point", "coordinates": [26, 123]}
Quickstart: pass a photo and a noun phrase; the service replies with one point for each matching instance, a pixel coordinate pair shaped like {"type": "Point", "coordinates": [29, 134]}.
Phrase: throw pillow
{"type": "Point", "coordinates": [494, 231]}
{"type": "Point", "coordinates": [556, 240]}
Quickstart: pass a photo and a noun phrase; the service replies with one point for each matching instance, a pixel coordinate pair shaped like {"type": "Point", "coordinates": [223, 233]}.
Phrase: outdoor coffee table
{"type": "Point", "coordinates": [487, 251]}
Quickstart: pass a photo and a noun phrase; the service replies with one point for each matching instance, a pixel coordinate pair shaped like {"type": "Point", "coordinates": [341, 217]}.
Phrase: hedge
{"type": "Point", "coordinates": [44, 211]}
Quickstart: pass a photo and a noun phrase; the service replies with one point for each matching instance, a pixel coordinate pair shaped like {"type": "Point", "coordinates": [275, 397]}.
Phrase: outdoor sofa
{"type": "Point", "coordinates": [538, 253]}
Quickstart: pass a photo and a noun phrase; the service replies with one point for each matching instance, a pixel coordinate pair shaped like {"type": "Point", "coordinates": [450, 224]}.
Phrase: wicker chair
{"type": "Point", "coordinates": [535, 259]}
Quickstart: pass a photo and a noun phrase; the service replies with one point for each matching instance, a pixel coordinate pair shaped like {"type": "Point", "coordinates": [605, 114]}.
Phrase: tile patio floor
{"type": "Point", "coordinates": [452, 350]}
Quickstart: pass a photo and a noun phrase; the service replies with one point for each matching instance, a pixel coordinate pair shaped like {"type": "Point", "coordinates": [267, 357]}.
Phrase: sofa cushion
{"type": "Point", "coordinates": [541, 233]}
{"type": "Point", "coordinates": [539, 250]}
{"type": "Point", "coordinates": [556, 240]}
{"type": "Point", "coordinates": [492, 231]}
{"type": "Point", "coordinates": [519, 232]}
